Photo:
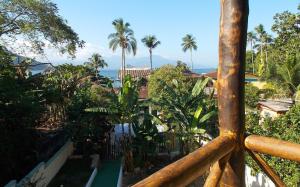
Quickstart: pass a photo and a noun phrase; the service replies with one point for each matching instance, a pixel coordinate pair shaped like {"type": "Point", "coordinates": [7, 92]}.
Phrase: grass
{"type": "Point", "coordinates": [75, 172]}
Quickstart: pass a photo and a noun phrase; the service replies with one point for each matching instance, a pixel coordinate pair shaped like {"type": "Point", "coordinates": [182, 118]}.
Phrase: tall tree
{"type": "Point", "coordinates": [251, 39]}
{"type": "Point", "coordinates": [189, 43]}
{"type": "Point", "coordinates": [124, 38]}
{"type": "Point", "coordinates": [266, 39]}
{"type": "Point", "coordinates": [95, 63]}
{"type": "Point", "coordinates": [37, 22]}
{"type": "Point", "coordinates": [151, 42]}
{"type": "Point", "coordinates": [289, 73]}
{"type": "Point", "coordinates": [260, 31]}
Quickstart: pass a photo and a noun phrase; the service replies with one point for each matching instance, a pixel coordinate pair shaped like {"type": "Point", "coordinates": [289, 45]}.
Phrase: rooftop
{"type": "Point", "coordinates": [136, 72]}
{"type": "Point", "coordinates": [276, 105]}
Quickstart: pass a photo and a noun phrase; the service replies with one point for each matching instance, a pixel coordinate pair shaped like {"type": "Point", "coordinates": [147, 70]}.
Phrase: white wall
{"type": "Point", "coordinates": [259, 180]}
{"type": "Point", "coordinates": [43, 173]}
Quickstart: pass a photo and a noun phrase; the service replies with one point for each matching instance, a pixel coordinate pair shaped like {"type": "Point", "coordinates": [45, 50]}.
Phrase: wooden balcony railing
{"type": "Point", "coordinates": [226, 153]}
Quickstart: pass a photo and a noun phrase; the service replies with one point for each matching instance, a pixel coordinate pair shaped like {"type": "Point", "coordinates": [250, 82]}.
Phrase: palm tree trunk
{"type": "Point", "coordinates": [261, 53]}
{"type": "Point", "coordinates": [252, 58]}
{"type": "Point", "coordinates": [150, 50]}
{"type": "Point", "coordinates": [122, 68]}
{"type": "Point", "coordinates": [192, 59]}
{"type": "Point", "coordinates": [124, 65]}
{"type": "Point", "coordinates": [267, 66]}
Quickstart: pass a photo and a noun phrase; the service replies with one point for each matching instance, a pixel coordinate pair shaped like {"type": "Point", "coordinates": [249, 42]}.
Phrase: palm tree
{"type": "Point", "coordinates": [95, 63]}
{"type": "Point", "coordinates": [124, 38]}
{"type": "Point", "coordinates": [289, 72]}
{"type": "Point", "coordinates": [189, 43]}
{"type": "Point", "coordinates": [260, 38]}
{"type": "Point", "coordinates": [151, 42]}
{"type": "Point", "coordinates": [266, 39]}
{"type": "Point", "coordinates": [251, 39]}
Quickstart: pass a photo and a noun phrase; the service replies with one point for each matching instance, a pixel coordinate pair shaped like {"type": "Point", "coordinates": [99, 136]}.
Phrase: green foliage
{"type": "Point", "coordinates": [286, 127]}
{"type": "Point", "coordinates": [151, 42]}
{"type": "Point", "coordinates": [88, 128]}
{"type": "Point", "coordinates": [251, 95]}
{"type": "Point", "coordinates": [165, 75]}
{"type": "Point", "coordinates": [95, 63]}
{"type": "Point", "coordinates": [189, 43]}
{"type": "Point", "coordinates": [21, 106]}
{"type": "Point", "coordinates": [146, 139]}
{"type": "Point", "coordinates": [37, 21]}
{"type": "Point", "coordinates": [188, 112]}
{"type": "Point", "coordinates": [123, 38]}
{"type": "Point", "coordinates": [277, 60]}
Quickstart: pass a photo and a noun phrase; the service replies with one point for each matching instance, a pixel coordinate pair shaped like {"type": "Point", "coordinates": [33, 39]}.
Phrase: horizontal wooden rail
{"type": "Point", "coordinates": [266, 168]}
{"type": "Point", "coordinates": [192, 166]}
{"type": "Point", "coordinates": [274, 147]}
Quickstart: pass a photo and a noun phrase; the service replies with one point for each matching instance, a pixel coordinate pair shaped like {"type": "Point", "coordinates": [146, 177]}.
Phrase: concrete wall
{"type": "Point", "coordinates": [259, 180]}
{"type": "Point", "coordinates": [44, 172]}
{"type": "Point", "coordinates": [92, 177]}
{"type": "Point", "coordinates": [266, 112]}
{"type": "Point", "coordinates": [120, 178]}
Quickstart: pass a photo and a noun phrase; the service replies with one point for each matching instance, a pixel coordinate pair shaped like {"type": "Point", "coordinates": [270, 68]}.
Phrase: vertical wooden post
{"type": "Point", "coordinates": [231, 75]}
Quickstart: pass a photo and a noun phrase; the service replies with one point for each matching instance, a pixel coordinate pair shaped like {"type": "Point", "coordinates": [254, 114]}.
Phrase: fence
{"type": "Point", "coordinates": [44, 172]}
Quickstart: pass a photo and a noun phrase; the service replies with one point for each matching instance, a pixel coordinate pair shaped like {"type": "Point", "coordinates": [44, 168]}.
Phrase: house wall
{"type": "Point", "coordinates": [44, 172]}
{"type": "Point", "coordinates": [259, 180]}
{"type": "Point", "coordinates": [266, 112]}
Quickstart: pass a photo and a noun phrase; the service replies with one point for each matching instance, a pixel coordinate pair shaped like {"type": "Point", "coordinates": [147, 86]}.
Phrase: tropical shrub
{"type": "Point", "coordinates": [251, 95]}
{"type": "Point", "coordinates": [165, 75]}
{"type": "Point", "coordinates": [285, 127]}
{"type": "Point", "coordinates": [188, 112]}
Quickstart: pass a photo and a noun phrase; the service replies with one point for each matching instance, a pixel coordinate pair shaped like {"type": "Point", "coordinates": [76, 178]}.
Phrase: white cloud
{"type": "Point", "coordinates": [23, 48]}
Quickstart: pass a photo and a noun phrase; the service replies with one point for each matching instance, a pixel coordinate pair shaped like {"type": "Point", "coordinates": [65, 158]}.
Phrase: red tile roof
{"type": "Point", "coordinates": [136, 73]}
{"type": "Point", "coordinates": [214, 75]}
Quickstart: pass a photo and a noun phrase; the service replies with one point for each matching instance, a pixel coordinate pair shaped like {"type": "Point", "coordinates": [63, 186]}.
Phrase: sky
{"type": "Point", "coordinates": [168, 20]}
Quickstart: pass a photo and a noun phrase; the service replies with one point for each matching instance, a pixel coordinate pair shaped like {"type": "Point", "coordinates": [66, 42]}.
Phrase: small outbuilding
{"type": "Point", "coordinates": [274, 108]}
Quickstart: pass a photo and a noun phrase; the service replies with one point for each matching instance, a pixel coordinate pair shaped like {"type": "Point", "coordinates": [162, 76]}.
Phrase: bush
{"type": "Point", "coordinates": [251, 95]}
{"type": "Point", "coordinates": [286, 127]}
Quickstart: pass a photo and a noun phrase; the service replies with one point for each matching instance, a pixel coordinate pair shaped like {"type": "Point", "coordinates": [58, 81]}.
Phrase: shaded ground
{"type": "Point", "coordinates": [108, 174]}
{"type": "Point", "coordinates": [75, 172]}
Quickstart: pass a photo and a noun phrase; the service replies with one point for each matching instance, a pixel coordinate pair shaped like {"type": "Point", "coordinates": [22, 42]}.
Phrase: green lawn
{"type": "Point", "coordinates": [75, 172]}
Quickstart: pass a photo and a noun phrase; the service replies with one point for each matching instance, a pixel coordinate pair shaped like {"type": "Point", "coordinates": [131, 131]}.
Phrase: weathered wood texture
{"type": "Point", "coordinates": [192, 166]}
{"type": "Point", "coordinates": [274, 147]}
{"type": "Point", "coordinates": [266, 168]}
{"type": "Point", "coordinates": [216, 172]}
{"type": "Point", "coordinates": [230, 84]}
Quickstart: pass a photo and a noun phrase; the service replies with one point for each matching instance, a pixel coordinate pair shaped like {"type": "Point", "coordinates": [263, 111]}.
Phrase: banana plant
{"type": "Point", "coordinates": [187, 112]}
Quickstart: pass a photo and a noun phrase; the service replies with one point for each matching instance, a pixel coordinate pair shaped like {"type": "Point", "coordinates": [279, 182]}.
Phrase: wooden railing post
{"type": "Point", "coordinates": [231, 75]}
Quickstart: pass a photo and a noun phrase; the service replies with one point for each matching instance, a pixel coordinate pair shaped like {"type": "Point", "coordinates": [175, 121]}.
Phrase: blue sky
{"type": "Point", "coordinates": [169, 20]}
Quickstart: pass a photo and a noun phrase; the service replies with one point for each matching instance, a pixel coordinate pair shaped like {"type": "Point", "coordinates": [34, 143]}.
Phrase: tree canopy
{"type": "Point", "coordinates": [37, 22]}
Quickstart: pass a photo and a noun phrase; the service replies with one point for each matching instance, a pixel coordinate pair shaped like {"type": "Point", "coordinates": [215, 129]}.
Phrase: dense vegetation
{"type": "Point", "coordinates": [74, 101]}
{"type": "Point", "coordinates": [276, 59]}
{"type": "Point", "coordinates": [286, 127]}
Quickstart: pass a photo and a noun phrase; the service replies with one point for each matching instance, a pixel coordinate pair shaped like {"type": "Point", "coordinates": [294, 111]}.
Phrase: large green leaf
{"type": "Point", "coordinates": [196, 116]}
{"type": "Point", "coordinates": [207, 116]}
{"type": "Point", "coordinates": [199, 86]}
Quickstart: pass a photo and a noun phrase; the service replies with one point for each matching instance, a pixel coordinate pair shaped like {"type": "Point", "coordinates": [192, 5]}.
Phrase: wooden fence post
{"type": "Point", "coordinates": [231, 75]}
